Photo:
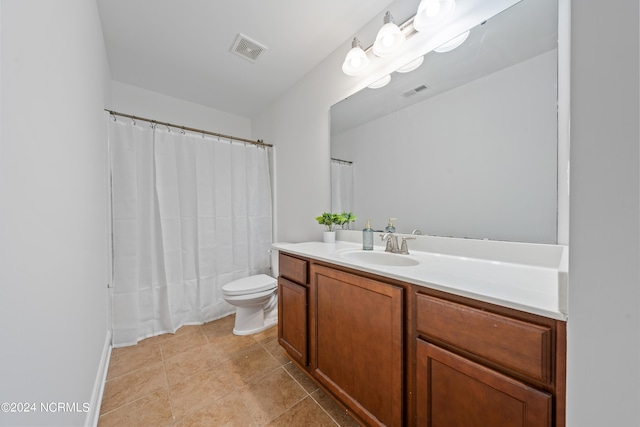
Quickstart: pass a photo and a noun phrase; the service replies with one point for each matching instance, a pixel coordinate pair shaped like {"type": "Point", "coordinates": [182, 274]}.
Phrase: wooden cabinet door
{"type": "Point", "coordinates": [454, 391]}
{"type": "Point", "coordinates": [292, 319]}
{"type": "Point", "coordinates": [356, 341]}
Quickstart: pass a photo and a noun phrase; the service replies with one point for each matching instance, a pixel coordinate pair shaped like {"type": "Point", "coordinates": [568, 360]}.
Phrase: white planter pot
{"type": "Point", "coordinates": [329, 236]}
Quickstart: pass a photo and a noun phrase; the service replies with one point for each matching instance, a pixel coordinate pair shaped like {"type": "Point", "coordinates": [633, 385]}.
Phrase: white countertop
{"type": "Point", "coordinates": [536, 284]}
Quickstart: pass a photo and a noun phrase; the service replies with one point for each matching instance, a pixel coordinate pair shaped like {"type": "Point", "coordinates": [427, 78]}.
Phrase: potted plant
{"type": "Point", "coordinates": [329, 220]}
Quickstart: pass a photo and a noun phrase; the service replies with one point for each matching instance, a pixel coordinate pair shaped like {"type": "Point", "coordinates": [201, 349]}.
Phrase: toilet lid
{"type": "Point", "coordinates": [250, 284]}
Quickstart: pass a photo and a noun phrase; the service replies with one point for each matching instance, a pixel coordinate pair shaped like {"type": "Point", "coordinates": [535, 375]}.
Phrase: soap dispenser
{"type": "Point", "coordinates": [367, 237]}
{"type": "Point", "coordinates": [390, 228]}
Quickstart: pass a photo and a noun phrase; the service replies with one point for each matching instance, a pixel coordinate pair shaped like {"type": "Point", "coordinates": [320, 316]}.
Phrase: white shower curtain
{"type": "Point", "coordinates": [341, 186]}
{"type": "Point", "coordinates": [190, 213]}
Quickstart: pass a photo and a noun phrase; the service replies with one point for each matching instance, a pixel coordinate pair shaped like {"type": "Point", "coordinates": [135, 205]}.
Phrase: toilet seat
{"type": "Point", "coordinates": [250, 285]}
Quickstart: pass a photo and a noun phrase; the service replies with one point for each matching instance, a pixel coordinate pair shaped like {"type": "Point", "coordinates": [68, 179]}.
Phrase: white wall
{"type": "Point", "coordinates": [604, 300]}
{"type": "Point", "coordinates": [298, 125]}
{"type": "Point", "coordinates": [53, 273]}
{"type": "Point", "coordinates": [604, 241]}
{"type": "Point", "coordinates": [494, 177]}
{"type": "Point", "coordinates": [132, 100]}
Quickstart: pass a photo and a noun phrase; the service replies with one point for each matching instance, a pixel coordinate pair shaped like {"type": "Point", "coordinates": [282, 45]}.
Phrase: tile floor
{"type": "Point", "coordinates": [206, 376]}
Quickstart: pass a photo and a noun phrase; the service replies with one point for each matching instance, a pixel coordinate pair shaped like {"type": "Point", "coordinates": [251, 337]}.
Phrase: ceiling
{"type": "Point", "coordinates": [183, 48]}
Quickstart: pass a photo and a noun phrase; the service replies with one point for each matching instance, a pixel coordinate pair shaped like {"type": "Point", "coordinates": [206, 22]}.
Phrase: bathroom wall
{"type": "Point", "coordinates": [604, 301]}
{"type": "Point", "coordinates": [132, 100]}
{"type": "Point", "coordinates": [53, 205]}
{"type": "Point", "coordinates": [500, 165]}
{"type": "Point", "coordinates": [604, 227]}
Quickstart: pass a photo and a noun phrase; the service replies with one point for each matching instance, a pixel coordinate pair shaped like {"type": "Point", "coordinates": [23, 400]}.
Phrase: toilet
{"type": "Point", "coordinates": [256, 300]}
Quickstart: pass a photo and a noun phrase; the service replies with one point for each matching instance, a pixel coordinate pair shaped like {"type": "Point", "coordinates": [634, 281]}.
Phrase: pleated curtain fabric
{"type": "Point", "coordinates": [190, 213]}
{"type": "Point", "coordinates": [341, 186]}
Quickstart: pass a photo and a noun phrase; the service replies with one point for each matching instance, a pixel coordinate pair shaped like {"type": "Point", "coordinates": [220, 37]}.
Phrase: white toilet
{"type": "Point", "coordinates": [256, 299]}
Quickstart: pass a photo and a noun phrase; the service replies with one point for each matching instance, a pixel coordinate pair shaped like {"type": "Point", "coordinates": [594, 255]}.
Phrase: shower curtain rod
{"type": "Point", "coordinates": [259, 142]}
{"type": "Point", "coordinates": [345, 162]}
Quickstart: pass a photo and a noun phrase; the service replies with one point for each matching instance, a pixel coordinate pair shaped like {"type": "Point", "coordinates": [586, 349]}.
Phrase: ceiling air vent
{"type": "Point", "coordinates": [416, 90]}
{"type": "Point", "coordinates": [247, 48]}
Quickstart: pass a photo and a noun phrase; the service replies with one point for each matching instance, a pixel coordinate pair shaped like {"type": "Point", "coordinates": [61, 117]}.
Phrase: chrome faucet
{"type": "Point", "coordinates": [392, 242]}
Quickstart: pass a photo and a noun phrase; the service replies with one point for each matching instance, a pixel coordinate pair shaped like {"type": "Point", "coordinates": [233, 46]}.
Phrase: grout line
{"type": "Point", "coordinates": [166, 378]}
{"type": "Point", "coordinates": [323, 408]}
{"type": "Point", "coordinates": [264, 342]}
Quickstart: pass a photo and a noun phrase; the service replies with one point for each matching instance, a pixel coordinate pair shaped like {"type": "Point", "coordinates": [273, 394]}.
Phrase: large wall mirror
{"type": "Point", "coordinates": [464, 146]}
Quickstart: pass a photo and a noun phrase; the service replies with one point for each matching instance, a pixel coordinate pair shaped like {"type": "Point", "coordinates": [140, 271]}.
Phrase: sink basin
{"type": "Point", "coordinates": [379, 258]}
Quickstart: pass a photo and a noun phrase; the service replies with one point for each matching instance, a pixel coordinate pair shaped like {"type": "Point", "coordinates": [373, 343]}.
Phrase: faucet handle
{"type": "Point", "coordinates": [404, 248]}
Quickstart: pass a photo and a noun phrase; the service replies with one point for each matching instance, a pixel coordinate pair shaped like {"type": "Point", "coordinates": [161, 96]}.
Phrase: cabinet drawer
{"type": "Point", "coordinates": [521, 346]}
{"type": "Point", "coordinates": [293, 268]}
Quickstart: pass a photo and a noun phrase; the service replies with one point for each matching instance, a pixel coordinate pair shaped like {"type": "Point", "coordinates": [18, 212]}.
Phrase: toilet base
{"type": "Point", "coordinates": [250, 321]}
{"type": "Point", "coordinates": [266, 325]}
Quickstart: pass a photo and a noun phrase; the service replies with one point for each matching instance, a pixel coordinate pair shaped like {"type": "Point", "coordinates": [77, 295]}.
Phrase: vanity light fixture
{"type": "Point", "coordinates": [389, 37]}
{"type": "Point", "coordinates": [356, 60]}
{"type": "Point", "coordinates": [380, 82]}
{"type": "Point", "coordinates": [452, 44]}
{"type": "Point", "coordinates": [432, 13]}
{"type": "Point", "coordinates": [411, 65]}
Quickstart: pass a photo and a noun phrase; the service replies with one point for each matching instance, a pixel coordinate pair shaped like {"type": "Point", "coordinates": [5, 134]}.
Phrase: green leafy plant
{"type": "Point", "coordinates": [346, 218]}
{"type": "Point", "coordinates": [329, 220]}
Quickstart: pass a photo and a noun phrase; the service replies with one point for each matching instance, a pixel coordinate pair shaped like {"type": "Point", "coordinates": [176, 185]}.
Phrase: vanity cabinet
{"type": "Point", "coordinates": [396, 354]}
{"type": "Point", "coordinates": [356, 342]}
{"type": "Point", "coordinates": [478, 365]}
{"type": "Point", "coordinates": [292, 307]}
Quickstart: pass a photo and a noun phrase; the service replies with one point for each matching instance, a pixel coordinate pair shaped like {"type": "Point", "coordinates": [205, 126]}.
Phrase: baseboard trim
{"type": "Point", "coordinates": [98, 386]}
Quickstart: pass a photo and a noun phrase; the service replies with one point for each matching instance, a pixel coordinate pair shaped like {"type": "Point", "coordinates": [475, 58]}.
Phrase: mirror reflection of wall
{"type": "Point", "coordinates": [475, 153]}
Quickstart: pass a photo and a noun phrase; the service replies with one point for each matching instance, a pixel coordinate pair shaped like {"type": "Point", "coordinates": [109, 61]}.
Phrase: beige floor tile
{"type": "Point", "coordinates": [275, 349]}
{"type": "Point", "coordinates": [302, 379]}
{"type": "Point", "coordinates": [267, 335]}
{"type": "Point", "coordinates": [333, 409]}
{"type": "Point", "coordinates": [220, 327]}
{"type": "Point", "coordinates": [251, 365]}
{"type": "Point", "coordinates": [271, 396]}
{"type": "Point", "coordinates": [120, 351]}
{"type": "Point", "coordinates": [199, 390]}
{"type": "Point", "coordinates": [306, 413]}
{"type": "Point", "coordinates": [230, 346]}
{"type": "Point", "coordinates": [226, 411]}
{"type": "Point", "coordinates": [132, 386]}
{"type": "Point", "coordinates": [132, 359]}
{"type": "Point", "coordinates": [151, 410]}
{"type": "Point", "coordinates": [190, 362]}
{"type": "Point", "coordinates": [206, 376]}
{"type": "Point", "coordinates": [180, 343]}
{"type": "Point", "coordinates": [183, 330]}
